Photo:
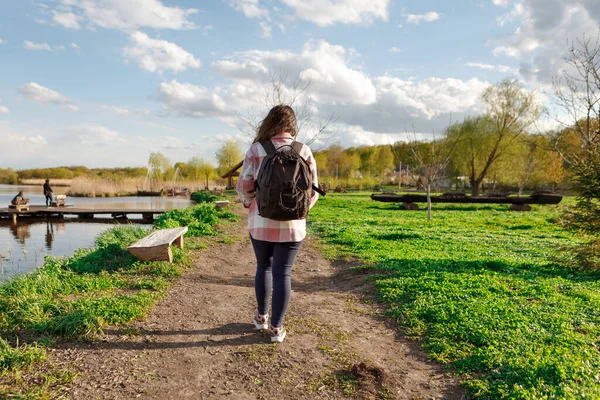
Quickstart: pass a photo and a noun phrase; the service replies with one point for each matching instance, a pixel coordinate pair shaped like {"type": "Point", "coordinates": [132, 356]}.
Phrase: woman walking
{"type": "Point", "coordinates": [275, 243]}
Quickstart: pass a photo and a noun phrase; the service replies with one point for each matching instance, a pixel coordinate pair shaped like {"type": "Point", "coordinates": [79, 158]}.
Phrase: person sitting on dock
{"type": "Point", "coordinates": [19, 199]}
{"type": "Point", "coordinates": [48, 193]}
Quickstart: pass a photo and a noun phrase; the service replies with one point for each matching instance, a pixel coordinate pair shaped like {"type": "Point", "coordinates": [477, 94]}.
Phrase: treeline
{"type": "Point", "coordinates": [528, 163]}
{"type": "Point", "coordinates": [12, 177]}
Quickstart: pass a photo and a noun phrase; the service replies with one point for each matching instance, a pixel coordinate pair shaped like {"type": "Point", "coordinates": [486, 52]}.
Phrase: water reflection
{"type": "Point", "coordinates": [20, 231]}
{"type": "Point", "coordinates": [23, 246]}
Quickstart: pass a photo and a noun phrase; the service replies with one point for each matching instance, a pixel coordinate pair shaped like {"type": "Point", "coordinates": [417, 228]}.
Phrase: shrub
{"type": "Point", "coordinates": [205, 196]}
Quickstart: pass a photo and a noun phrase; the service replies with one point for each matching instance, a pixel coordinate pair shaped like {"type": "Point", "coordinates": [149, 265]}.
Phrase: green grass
{"type": "Point", "coordinates": [75, 298]}
{"type": "Point", "coordinates": [486, 290]}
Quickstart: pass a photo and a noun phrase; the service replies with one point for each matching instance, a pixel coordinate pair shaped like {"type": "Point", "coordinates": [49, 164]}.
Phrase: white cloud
{"type": "Point", "coordinates": [96, 135]}
{"type": "Point", "coordinates": [156, 55]}
{"type": "Point", "coordinates": [394, 50]}
{"type": "Point", "coordinates": [191, 100]}
{"type": "Point", "coordinates": [1, 42]}
{"type": "Point", "coordinates": [501, 3]}
{"type": "Point", "coordinates": [117, 109]}
{"type": "Point", "coordinates": [430, 105]}
{"type": "Point", "coordinates": [4, 110]}
{"type": "Point", "coordinates": [380, 105]}
{"type": "Point", "coordinates": [430, 97]}
{"type": "Point", "coordinates": [322, 64]}
{"type": "Point", "coordinates": [330, 12]}
{"type": "Point", "coordinates": [68, 20]}
{"type": "Point", "coordinates": [266, 29]}
{"type": "Point", "coordinates": [126, 111]}
{"type": "Point", "coordinates": [418, 18]}
{"type": "Point", "coordinates": [354, 136]}
{"type": "Point", "coordinates": [33, 139]}
{"type": "Point", "coordinates": [250, 8]}
{"type": "Point", "coordinates": [124, 15]}
{"type": "Point", "coordinates": [37, 46]}
{"type": "Point", "coordinates": [71, 107]}
{"type": "Point", "coordinates": [76, 47]}
{"type": "Point", "coordinates": [37, 139]}
{"type": "Point", "coordinates": [41, 94]}
{"type": "Point", "coordinates": [540, 41]}
{"type": "Point", "coordinates": [490, 67]}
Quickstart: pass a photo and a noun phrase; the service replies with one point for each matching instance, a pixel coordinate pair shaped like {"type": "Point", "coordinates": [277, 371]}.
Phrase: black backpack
{"type": "Point", "coordinates": [284, 183]}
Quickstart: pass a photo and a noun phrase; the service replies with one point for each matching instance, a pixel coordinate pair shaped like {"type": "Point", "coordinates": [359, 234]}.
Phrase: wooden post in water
{"type": "Point", "coordinates": [14, 218]}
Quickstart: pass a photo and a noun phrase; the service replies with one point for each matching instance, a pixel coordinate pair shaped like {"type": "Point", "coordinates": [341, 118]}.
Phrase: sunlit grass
{"type": "Point", "coordinates": [486, 290]}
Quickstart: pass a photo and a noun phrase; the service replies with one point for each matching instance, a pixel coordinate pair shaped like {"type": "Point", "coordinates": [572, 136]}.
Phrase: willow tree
{"type": "Point", "coordinates": [486, 139]}
{"type": "Point", "coordinates": [158, 165]}
{"type": "Point", "coordinates": [228, 155]}
{"type": "Point", "coordinates": [200, 169]}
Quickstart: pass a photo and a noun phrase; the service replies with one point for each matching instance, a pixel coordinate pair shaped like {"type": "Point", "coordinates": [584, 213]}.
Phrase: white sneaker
{"type": "Point", "coordinates": [277, 334]}
{"type": "Point", "coordinates": [260, 321]}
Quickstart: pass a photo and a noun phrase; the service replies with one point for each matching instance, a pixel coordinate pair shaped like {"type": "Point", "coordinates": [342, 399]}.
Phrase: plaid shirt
{"type": "Point", "coordinates": [264, 228]}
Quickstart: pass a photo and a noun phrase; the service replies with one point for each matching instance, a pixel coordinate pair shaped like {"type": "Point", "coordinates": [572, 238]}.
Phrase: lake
{"type": "Point", "coordinates": [23, 246]}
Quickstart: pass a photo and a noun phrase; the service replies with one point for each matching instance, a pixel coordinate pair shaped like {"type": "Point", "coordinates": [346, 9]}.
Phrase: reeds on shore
{"type": "Point", "coordinates": [86, 187]}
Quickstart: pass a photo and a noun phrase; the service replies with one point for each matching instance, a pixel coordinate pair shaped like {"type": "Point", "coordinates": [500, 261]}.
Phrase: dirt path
{"type": "Point", "coordinates": [198, 343]}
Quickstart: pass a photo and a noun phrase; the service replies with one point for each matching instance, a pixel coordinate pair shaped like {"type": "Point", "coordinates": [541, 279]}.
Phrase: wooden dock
{"type": "Point", "coordinates": [79, 212]}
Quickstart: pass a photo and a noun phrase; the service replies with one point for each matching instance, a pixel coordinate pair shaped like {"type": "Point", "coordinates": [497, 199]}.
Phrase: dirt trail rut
{"type": "Point", "coordinates": [199, 343]}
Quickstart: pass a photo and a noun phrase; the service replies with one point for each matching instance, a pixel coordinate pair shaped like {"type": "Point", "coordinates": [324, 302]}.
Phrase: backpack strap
{"type": "Point", "coordinates": [297, 146]}
{"type": "Point", "coordinates": [268, 146]}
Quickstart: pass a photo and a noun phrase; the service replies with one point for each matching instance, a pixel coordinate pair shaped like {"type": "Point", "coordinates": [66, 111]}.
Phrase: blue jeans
{"type": "Point", "coordinates": [274, 273]}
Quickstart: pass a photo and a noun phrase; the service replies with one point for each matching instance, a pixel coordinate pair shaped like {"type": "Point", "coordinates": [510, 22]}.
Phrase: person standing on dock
{"type": "Point", "coordinates": [48, 193]}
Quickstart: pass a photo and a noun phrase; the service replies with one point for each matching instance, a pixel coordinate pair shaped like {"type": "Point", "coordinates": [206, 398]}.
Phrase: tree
{"type": "Point", "coordinates": [335, 161]}
{"type": "Point", "coordinates": [525, 162]}
{"type": "Point", "coordinates": [8, 176]}
{"type": "Point", "coordinates": [486, 139]}
{"type": "Point", "coordinates": [200, 169]}
{"type": "Point", "coordinates": [352, 163]}
{"type": "Point", "coordinates": [432, 163]}
{"type": "Point", "coordinates": [385, 160]}
{"type": "Point", "coordinates": [158, 164]}
{"type": "Point", "coordinates": [553, 170]}
{"type": "Point", "coordinates": [368, 159]}
{"type": "Point", "coordinates": [228, 155]}
{"type": "Point", "coordinates": [322, 162]}
{"type": "Point", "coordinates": [577, 92]}
{"type": "Point", "coordinates": [281, 89]}
{"type": "Point", "coordinates": [182, 168]}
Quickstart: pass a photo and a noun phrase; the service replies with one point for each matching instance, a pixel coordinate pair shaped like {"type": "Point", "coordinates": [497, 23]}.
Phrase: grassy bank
{"type": "Point", "coordinates": [487, 291]}
{"type": "Point", "coordinates": [75, 298]}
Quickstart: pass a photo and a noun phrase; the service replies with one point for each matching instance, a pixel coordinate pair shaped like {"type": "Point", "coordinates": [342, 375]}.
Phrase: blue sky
{"type": "Point", "coordinates": [106, 82]}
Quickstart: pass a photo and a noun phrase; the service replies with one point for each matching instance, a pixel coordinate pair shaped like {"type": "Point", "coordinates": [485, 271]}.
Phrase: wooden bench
{"type": "Point", "coordinates": [18, 208]}
{"type": "Point", "coordinates": [157, 245]}
{"type": "Point", "coordinates": [221, 203]}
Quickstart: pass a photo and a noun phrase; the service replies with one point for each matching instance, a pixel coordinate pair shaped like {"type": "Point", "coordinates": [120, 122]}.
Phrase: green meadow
{"type": "Point", "coordinates": [494, 295]}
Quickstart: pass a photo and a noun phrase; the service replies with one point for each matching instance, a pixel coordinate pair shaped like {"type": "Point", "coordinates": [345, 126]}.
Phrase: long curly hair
{"type": "Point", "coordinates": [280, 118]}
